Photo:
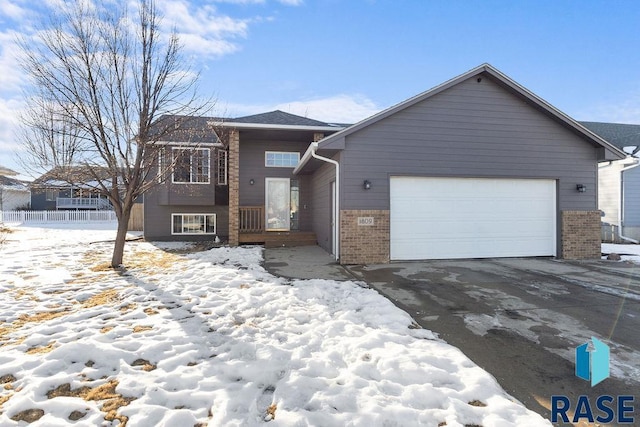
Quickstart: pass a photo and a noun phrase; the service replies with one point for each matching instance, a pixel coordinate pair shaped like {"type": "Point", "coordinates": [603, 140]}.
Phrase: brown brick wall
{"type": "Point", "coordinates": [234, 187]}
{"type": "Point", "coordinates": [581, 235]}
{"type": "Point", "coordinates": [364, 244]}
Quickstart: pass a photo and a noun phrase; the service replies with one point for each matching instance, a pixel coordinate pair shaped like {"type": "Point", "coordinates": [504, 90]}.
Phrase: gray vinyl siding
{"type": "Point", "coordinates": [469, 130]}
{"type": "Point", "coordinates": [39, 200]}
{"type": "Point", "coordinates": [157, 221]}
{"type": "Point", "coordinates": [631, 188]}
{"type": "Point", "coordinates": [609, 191]}
{"type": "Point", "coordinates": [252, 166]}
{"type": "Point", "coordinates": [320, 203]}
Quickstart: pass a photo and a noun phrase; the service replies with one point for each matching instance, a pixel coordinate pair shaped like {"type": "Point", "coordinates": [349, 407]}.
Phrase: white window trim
{"type": "Point", "coordinates": [191, 174]}
{"type": "Point", "coordinates": [223, 167]}
{"type": "Point", "coordinates": [215, 224]}
{"type": "Point", "coordinates": [280, 152]}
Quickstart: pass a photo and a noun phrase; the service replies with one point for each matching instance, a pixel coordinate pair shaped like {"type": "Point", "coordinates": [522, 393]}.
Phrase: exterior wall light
{"type": "Point", "coordinates": [252, 181]}
{"type": "Point", "coordinates": [581, 188]}
{"type": "Point", "coordinates": [367, 184]}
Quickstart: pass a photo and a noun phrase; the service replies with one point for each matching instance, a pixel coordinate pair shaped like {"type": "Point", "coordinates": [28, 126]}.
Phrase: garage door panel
{"type": "Point", "coordinates": [438, 218]}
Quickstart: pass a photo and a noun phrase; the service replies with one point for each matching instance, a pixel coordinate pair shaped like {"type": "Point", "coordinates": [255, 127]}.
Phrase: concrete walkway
{"type": "Point", "coordinates": [304, 262]}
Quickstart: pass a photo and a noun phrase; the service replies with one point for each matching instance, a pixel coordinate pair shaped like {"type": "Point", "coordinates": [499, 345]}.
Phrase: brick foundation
{"type": "Point", "coordinates": [581, 235]}
{"type": "Point", "coordinates": [364, 244]}
{"type": "Point", "coordinates": [234, 187]}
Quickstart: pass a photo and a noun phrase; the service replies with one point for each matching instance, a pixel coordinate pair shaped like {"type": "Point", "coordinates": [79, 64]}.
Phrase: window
{"type": "Point", "coordinates": [295, 204]}
{"type": "Point", "coordinates": [51, 194]}
{"type": "Point", "coordinates": [191, 165]}
{"type": "Point", "coordinates": [193, 223]}
{"type": "Point", "coordinates": [222, 167]}
{"type": "Point", "coordinates": [281, 159]}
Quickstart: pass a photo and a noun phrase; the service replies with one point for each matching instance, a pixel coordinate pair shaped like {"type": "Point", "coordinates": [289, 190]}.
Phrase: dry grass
{"type": "Point", "coordinates": [41, 350]}
{"type": "Point", "coordinates": [271, 412]}
{"type": "Point", "coordinates": [105, 392]}
{"type": "Point", "coordinates": [153, 260]}
{"type": "Point", "coordinates": [5, 330]}
{"type": "Point", "coordinates": [108, 296]}
{"type": "Point", "coordinates": [29, 415]}
{"type": "Point", "coordinates": [150, 311]}
{"type": "Point", "coordinates": [103, 266]}
{"type": "Point", "coordinates": [113, 401]}
{"type": "Point", "coordinates": [138, 329]}
{"type": "Point", "coordinates": [129, 307]}
{"type": "Point", "coordinates": [39, 317]}
{"type": "Point", "coordinates": [146, 365]}
{"type": "Point", "coordinates": [106, 329]}
{"type": "Point", "coordinates": [4, 399]}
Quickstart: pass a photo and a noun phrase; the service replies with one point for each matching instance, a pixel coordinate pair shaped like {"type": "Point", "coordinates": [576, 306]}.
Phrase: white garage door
{"type": "Point", "coordinates": [441, 218]}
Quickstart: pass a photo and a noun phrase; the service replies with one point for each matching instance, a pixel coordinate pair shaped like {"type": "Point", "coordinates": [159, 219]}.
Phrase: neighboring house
{"type": "Point", "coordinates": [14, 194]}
{"type": "Point", "coordinates": [67, 188]}
{"type": "Point", "coordinates": [476, 167]}
{"type": "Point", "coordinates": [619, 183]}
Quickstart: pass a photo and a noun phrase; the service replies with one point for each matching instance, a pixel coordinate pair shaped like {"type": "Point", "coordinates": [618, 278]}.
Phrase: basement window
{"type": "Point", "coordinates": [193, 224]}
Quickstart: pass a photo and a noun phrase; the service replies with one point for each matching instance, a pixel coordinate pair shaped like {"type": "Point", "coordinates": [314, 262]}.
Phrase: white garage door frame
{"type": "Point", "coordinates": [448, 218]}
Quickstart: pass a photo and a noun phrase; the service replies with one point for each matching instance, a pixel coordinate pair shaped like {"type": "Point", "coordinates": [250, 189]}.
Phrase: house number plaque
{"type": "Point", "coordinates": [365, 220]}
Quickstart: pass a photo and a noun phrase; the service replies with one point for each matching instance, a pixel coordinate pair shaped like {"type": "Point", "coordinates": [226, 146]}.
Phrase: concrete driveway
{"type": "Point", "coordinates": [521, 319]}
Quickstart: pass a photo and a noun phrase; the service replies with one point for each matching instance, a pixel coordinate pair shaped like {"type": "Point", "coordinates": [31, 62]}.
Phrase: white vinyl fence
{"type": "Point", "coordinates": [56, 216]}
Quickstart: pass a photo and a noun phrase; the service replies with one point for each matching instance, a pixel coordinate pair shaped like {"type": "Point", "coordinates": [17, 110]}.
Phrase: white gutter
{"type": "Point", "coordinates": [311, 152]}
{"type": "Point", "coordinates": [628, 239]}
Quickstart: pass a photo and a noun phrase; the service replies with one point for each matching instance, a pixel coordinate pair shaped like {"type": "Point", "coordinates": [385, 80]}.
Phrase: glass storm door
{"type": "Point", "coordinates": [277, 204]}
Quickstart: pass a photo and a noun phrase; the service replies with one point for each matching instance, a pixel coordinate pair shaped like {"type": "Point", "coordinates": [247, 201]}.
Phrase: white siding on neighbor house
{"type": "Point", "coordinates": [631, 194]}
{"type": "Point", "coordinates": [11, 199]}
{"type": "Point", "coordinates": [609, 190]}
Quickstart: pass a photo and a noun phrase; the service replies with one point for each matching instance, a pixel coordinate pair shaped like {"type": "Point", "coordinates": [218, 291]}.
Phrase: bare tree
{"type": "Point", "coordinates": [102, 80]}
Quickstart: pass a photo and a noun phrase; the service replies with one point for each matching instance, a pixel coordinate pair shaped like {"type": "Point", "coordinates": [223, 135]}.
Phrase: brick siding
{"type": "Point", "coordinates": [234, 187]}
{"type": "Point", "coordinates": [364, 244]}
{"type": "Point", "coordinates": [581, 235]}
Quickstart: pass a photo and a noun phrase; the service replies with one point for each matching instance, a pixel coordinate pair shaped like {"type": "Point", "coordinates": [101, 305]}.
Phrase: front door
{"type": "Point", "coordinates": [277, 204]}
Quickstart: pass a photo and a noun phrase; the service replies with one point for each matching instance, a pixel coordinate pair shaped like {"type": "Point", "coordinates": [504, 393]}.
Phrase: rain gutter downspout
{"type": "Point", "coordinates": [628, 239]}
{"type": "Point", "coordinates": [336, 203]}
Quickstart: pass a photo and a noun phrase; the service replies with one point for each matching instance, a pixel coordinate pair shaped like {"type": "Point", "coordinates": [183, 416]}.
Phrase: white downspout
{"type": "Point", "coordinates": [628, 239]}
{"type": "Point", "coordinates": [336, 202]}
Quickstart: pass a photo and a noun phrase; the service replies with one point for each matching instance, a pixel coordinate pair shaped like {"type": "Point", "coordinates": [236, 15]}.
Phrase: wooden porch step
{"type": "Point", "coordinates": [275, 239]}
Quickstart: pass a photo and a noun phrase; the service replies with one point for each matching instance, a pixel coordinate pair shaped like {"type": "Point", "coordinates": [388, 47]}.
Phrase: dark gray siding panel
{"type": "Point", "coordinates": [252, 159]}
{"type": "Point", "coordinates": [39, 201]}
{"type": "Point", "coordinates": [320, 203]}
{"type": "Point", "coordinates": [631, 185]}
{"type": "Point", "coordinates": [157, 220]}
{"type": "Point", "coordinates": [252, 167]}
{"type": "Point", "coordinates": [471, 129]}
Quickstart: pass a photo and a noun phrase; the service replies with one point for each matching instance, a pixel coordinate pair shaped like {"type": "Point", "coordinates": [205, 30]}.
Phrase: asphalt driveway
{"type": "Point", "coordinates": [521, 319]}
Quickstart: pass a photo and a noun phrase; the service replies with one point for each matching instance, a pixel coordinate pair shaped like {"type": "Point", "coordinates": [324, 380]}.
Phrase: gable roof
{"type": "Point", "coordinates": [7, 172]}
{"type": "Point", "coordinates": [278, 117]}
{"type": "Point", "coordinates": [65, 176]}
{"type": "Point", "coordinates": [8, 183]}
{"type": "Point", "coordinates": [203, 129]}
{"type": "Point", "coordinates": [619, 134]}
{"type": "Point", "coordinates": [501, 78]}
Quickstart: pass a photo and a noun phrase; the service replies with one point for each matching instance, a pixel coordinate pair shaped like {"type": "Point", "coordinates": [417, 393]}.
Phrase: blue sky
{"type": "Point", "coordinates": [343, 60]}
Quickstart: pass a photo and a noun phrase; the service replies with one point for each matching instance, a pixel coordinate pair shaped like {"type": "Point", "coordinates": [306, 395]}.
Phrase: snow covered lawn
{"type": "Point", "coordinates": [627, 252]}
{"type": "Point", "coordinates": [187, 338]}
